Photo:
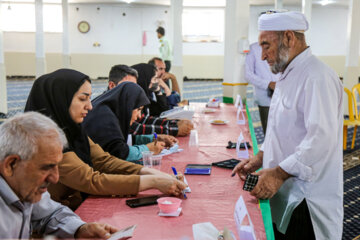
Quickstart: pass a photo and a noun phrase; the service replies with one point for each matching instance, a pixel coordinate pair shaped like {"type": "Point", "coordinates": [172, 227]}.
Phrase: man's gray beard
{"type": "Point", "coordinates": [281, 59]}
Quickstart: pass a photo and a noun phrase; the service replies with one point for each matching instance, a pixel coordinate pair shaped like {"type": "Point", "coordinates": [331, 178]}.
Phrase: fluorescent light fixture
{"type": "Point", "coordinates": [128, 1]}
{"type": "Point", "coordinates": [324, 2]}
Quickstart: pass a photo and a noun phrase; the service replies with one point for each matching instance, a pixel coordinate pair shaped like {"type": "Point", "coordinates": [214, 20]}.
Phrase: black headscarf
{"type": "Point", "coordinates": [109, 122]}
{"type": "Point", "coordinates": [52, 95]}
{"type": "Point", "coordinates": [146, 73]}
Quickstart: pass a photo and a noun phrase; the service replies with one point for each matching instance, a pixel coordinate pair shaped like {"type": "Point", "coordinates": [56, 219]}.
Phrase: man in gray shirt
{"type": "Point", "coordinates": [30, 150]}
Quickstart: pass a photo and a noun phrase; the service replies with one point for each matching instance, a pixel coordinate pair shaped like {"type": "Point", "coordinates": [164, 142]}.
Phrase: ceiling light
{"type": "Point", "coordinates": [128, 1]}
{"type": "Point", "coordinates": [324, 2]}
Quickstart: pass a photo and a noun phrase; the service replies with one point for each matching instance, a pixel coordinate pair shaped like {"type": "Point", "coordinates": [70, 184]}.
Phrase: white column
{"type": "Point", "coordinates": [306, 10]}
{"type": "Point", "coordinates": [65, 35]}
{"type": "Point", "coordinates": [39, 39]}
{"type": "Point", "coordinates": [279, 4]}
{"type": "Point", "coordinates": [352, 71]}
{"type": "Point", "coordinates": [3, 90]}
{"type": "Point", "coordinates": [176, 9]}
{"type": "Point", "coordinates": [236, 33]}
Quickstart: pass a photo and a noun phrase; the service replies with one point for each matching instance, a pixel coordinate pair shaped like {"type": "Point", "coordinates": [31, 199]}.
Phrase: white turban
{"type": "Point", "coordinates": [282, 21]}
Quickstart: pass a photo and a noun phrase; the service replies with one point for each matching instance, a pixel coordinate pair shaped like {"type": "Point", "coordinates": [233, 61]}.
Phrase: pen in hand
{"type": "Point", "coordinates": [176, 175]}
{"type": "Point", "coordinates": [155, 137]}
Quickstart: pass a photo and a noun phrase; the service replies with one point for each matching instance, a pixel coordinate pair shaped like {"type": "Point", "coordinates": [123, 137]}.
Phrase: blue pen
{"type": "Point", "coordinates": [155, 136]}
{"type": "Point", "coordinates": [176, 174]}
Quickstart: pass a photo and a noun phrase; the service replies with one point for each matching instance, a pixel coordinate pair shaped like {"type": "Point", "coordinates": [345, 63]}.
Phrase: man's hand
{"type": "Point", "coordinates": [165, 87]}
{"type": "Point", "coordinates": [183, 103]}
{"type": "Point", "coordinates": [185, 126]}
{"type": "Point", "coordinates": [95, 230]}
{"type": "Point", "coordinates": [175, 86]}
{"type": "Point", "coordinates": [166, 76]}
{"type": "Point", "coordinates": [169, 140]}
{"type": "Point", "coordinates": [270, 180]}
{"type": "Point", "coordinates": [248, 166]}
{"type": "Point", "coordinates": [156, 148]}
{"type": "Point", "coordinates": [272, 85]}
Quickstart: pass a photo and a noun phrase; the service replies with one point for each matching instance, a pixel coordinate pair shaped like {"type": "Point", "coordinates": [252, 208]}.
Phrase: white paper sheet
{"type": "Point", "coordinates": [244, 231]}
{"type": "Point", "coordinates": [173, 149]}
{"type": "Point", "coordinates": [242, 154]}
{"type": "Point", "coordinates": [123, 233]}
{"type": "Point", "coordinates": [205, 231]}
{"type": "Point", "coordinates": [240, 117]}
{"type": "Point", "coordinates": [188, 189]}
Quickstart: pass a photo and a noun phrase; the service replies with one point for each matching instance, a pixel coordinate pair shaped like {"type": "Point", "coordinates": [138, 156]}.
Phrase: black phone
{"type": "Point", "coordinates": [242, 145]}
{"type": "Point", "coordinates": [250, 182]}
{"type": "Point", "coordinates": [143, 201]}
{"type": "Point", "coordinates": [229, 164]}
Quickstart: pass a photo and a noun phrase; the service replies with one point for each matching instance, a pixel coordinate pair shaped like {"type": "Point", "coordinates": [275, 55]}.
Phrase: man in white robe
{"type": "Point", "coordinates": [302, 155]}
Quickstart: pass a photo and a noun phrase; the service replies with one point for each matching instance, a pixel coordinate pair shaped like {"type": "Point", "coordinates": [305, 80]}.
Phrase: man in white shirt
{"type": "Point", "coordinates": [31, 147]}
{"type": "Point", "coordinates": [302, 155]}
{"type": "Point", "coordinates": [257, 72]}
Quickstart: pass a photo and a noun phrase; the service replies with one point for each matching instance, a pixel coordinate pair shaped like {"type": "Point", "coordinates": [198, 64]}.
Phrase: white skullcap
{"type": "Point", "coordinates": [282, 21]}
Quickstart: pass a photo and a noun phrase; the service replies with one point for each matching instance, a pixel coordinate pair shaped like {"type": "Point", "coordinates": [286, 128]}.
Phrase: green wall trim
{"type": "Point", "coordinates": [228, 100]}
{"type": "Point", "coordinates": [264, 204]}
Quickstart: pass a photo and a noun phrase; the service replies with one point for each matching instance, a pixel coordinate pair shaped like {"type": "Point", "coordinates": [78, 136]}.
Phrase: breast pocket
{"type": "Point", "coordinates": [286, 116]}
{"type": "Point", "coordinates": [288, 101]}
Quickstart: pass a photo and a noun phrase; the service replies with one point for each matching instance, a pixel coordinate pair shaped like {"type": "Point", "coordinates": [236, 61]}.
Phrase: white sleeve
{"type": "Point", "coordinates": [321, 111]}
{"type": "Point", "coordinates": [250, 74]}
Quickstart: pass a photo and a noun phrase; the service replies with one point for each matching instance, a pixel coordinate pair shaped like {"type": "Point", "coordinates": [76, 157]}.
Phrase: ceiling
{"type": "Point", "coordinates": [191, 3]}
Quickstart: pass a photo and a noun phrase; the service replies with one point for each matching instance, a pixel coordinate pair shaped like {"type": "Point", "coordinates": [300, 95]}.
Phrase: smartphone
{"type": "Point", "coordinates": [143, 201]}
{"type": "Point", "coordinates": [229, 164]}
{"type": "Point", "coordinates": [242, 145]}
{"type": "Point", "coordinates": [250, 182]}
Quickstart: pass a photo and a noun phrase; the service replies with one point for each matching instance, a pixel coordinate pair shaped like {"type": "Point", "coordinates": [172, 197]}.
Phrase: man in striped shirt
{"type": "Point", "coordinates": [147, 124]}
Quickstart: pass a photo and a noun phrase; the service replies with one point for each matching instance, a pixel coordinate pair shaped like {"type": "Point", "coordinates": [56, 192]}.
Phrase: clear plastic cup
{"type": "Point", "coordinates": [147, 160]}
{"type": "Point", "coordinates": [156, 161]}
{"type": "Point", "coordinates": [193, 139]}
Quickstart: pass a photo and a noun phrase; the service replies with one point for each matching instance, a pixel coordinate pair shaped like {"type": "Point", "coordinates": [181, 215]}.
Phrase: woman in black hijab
{"type": "Point", "coordinates": [52, 99]}
{"type": "Point", "coordinates": [109, 122]}
{"type": "Point", "coordinates": [64, 95]}
{"type": "Point", "coordinates": [158, 100]}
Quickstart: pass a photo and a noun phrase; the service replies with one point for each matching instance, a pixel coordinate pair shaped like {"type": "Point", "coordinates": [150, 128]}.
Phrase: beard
{"type": "Point", "coordinates": [282, 59]}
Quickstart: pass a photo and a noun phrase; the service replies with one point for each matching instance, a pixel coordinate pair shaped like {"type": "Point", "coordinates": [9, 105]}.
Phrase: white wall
{"type": "Point", "coordinates": [120, 35]}
{"type": "Point", "coordinates": [116, 33]}
{"type": "Point", "coordinates": [328, 28]}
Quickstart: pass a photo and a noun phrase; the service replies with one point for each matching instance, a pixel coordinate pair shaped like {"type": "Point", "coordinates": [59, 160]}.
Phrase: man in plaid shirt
{"type": "Point", "coordinates": [147, 124]}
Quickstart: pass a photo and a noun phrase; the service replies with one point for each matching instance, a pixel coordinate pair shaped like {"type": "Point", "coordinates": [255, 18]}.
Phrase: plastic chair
{"type": "Point", "coordinates": [356, 89]}
{"type": "Point", "coordinates": [353, 119]}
